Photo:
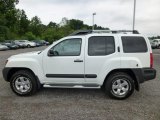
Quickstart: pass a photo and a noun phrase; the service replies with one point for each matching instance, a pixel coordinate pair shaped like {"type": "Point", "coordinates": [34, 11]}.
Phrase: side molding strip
{"type": "Point", "coordinates": [71, 75]}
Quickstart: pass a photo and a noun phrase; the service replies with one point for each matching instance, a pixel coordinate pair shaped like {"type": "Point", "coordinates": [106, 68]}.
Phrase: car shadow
{"type": "Point", "coordinates": [72, 93]}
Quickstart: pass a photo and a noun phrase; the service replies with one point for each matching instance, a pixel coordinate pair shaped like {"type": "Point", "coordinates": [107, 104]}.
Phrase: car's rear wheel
{"type": "Point", "coordinates": [28, 46]}
{"type": "Point", "coordinates": [23, 83]}
{"type": "Point", "coordinates": [119, 86]}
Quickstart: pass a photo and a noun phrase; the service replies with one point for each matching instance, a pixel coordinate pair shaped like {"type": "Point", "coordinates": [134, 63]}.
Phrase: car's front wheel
{"type": "Point", "coordinates": [119, 86]}
{"type": "Point", "coordinates": [23, 83]}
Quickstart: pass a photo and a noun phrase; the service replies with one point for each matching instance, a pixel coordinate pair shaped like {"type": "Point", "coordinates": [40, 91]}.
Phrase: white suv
{"type": "Point", "coordinates": [155, 43]}
{"type": "Point", "coordinates": [111, 60]}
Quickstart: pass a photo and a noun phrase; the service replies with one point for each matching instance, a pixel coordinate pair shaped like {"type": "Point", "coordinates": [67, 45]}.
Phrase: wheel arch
{"type": "Point", "coordinates": [14, 70]}
{"type": "Point", "coordinates": [127, 71]}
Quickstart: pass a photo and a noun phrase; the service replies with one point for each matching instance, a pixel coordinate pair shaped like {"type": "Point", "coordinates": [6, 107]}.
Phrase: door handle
{"type": "Point", "coordinates": [78, 60]}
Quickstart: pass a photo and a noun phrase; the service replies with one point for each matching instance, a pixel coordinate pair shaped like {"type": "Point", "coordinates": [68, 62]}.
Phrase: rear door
{"type": "Point", "coordinates": [101, 57]}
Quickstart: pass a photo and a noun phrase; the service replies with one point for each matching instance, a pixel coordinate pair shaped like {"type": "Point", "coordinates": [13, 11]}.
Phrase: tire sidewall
{"type": "Point", "coordinates": [22, 74]}
{"type": "Point", "coordinates": [28, 45]}
{"type": "Point", "coordinates": [112, 79]}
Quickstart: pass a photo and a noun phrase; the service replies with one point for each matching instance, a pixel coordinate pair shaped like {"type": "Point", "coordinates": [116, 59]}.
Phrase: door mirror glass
{"type": "Point", "coordinates": [53, 53]}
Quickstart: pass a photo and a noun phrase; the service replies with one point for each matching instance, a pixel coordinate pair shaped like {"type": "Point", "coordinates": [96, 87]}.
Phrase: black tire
{"type": "Point", "coordinates": [31, 81]}
{"type": "Point", "coordinates": [103, 88]}
{"type": "Point", "coordinates": [112, 81]}
{"type": "Point", "coordinates": [157, 46]}
{"type": "Point", "coordinates": [28, 46]}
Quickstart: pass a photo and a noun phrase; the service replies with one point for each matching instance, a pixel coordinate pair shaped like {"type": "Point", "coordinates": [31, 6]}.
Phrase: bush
{"type": "Point", "coordinates": [30, 36]}
{"type": "Point", "coordinates": [4, 33]}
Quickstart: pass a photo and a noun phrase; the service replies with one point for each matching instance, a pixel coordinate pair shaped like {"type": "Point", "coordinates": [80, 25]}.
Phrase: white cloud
{"type": "Point", "coordinates": [115, 14]}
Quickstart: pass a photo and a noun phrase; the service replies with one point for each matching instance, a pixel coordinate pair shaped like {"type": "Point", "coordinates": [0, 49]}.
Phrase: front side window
{"type": "Point", "coordinates": [69, 47]}
{"type": "Point", "coordinates": [101, 45]}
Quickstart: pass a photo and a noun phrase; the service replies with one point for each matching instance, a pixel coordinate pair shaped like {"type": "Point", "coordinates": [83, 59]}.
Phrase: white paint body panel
{"type": "Point", "coordinates": [130, 60]}
{"type": "Point", "coordinates": [41, 64]}
{"type": "Point", "coordinates": [100, 65]}
{"type": "Point", "coordinates": [64, 65]}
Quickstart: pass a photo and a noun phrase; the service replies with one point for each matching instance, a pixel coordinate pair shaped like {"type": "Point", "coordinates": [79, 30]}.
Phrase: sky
{"type": "Point", "coordinates": [114, 14]}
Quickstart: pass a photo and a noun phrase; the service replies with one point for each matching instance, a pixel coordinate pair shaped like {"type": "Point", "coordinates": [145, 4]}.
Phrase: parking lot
{"type": "Point", "coordinates": [72, 104]}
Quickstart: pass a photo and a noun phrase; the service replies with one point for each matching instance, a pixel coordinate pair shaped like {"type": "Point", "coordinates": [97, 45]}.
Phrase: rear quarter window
{"type": "Point", "coordinates": [134, 44]}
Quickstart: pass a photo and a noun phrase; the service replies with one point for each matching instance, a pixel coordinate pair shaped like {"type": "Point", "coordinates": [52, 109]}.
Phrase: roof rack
{"type": "Point", "coordinates": [85, 32]}
{"type": "Point", "coordinates": [116, 31]}
{"type": "Point", "coordinates": [81, 32]}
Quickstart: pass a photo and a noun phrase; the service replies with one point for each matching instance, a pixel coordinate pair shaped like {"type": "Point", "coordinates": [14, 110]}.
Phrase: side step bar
{"type": "Point", "coordinates": [92, 86]}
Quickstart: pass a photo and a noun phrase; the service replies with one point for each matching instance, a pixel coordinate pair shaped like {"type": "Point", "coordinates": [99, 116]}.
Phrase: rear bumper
{"type": "Point", "coordinates": [149, 74]}
{"type": "Point", "coordinates": [145, 74]}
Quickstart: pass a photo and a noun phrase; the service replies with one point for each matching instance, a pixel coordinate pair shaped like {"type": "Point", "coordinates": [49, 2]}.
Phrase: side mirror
{"type": "Point", "coordinates": [52, 53]}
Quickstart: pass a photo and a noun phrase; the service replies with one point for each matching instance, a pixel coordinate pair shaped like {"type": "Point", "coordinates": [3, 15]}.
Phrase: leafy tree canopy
{"type": "Point", "coordinates": [14, 24]}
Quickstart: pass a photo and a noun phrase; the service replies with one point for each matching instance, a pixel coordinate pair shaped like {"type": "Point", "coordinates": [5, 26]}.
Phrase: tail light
{"type": "Point", "coordinates": [151, 60]}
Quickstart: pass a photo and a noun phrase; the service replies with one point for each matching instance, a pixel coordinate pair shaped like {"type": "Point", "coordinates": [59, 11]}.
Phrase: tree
{"type": "Point", "coordinates": [14, 24]}
{"type": "Point", "coordinates": [30, 36]}
{"type": "Point", "coordinates": [4, 33]}
{"type": "Point", "coordinates": [76, 24]}
{"type": "Point", "coordinates": [35, 26]}
{"type": "Point", "coordinates": [2, 20]}
{"type": "Point", "coordinates": [7, 17]}
{"type": "Point", "coordinates": [100, 28]}
{"type": "Point", "coordinates": [23, 22]}
{"type": "Point", "coordinates": [52, 25]}
{"type": "Point", "coordinates": [7, 5]}
{"type": "Point", "coordinates": [8, 12]}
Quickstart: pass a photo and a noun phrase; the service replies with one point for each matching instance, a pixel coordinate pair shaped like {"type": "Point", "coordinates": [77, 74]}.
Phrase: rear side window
{"type": "Point", "coordinates": [101, 45]}
{"type": "Point", "coordinates": [134, 44]}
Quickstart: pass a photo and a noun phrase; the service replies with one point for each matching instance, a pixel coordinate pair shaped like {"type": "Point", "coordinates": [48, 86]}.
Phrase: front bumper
{"type": "Point", "coordinates": [5, 72]}
{"type": "Point", "coordinates": [33, 45]}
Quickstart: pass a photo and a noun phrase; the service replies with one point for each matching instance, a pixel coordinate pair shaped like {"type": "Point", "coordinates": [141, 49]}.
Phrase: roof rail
{"type": "Point", "coordinates": [85, 32]}
{"type": "Point", "coordinates": [116, 31]}
{"type": "Point", "coordinates": [81, 32]}
{"type": "Point", "coordinates": [101, 31]}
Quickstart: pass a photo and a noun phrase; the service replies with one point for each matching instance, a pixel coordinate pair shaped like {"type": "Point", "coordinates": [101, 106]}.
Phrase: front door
{"type": "Point", "coordinates": [67, 63]}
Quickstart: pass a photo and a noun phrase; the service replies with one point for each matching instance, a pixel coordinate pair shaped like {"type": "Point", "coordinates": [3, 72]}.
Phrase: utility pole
{"type": "Point", "coordinates": [134, 14]}
{"type": "Point", "coordinates": [93, 20]}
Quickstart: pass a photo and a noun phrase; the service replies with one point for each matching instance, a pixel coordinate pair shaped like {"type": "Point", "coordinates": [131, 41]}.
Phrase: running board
{"type": "Point", "coordinates": [71, 86]}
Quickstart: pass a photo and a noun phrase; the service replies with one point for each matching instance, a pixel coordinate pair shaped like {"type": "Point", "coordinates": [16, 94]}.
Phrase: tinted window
{"type": "Point", "coordinates": [101, 45]}
{"type": "Point", "coordinates": [134, 44]}
{"type": "Point", "coordinates": [155, 41]}
{"type": "Point", "coordinates": [69, 47]}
